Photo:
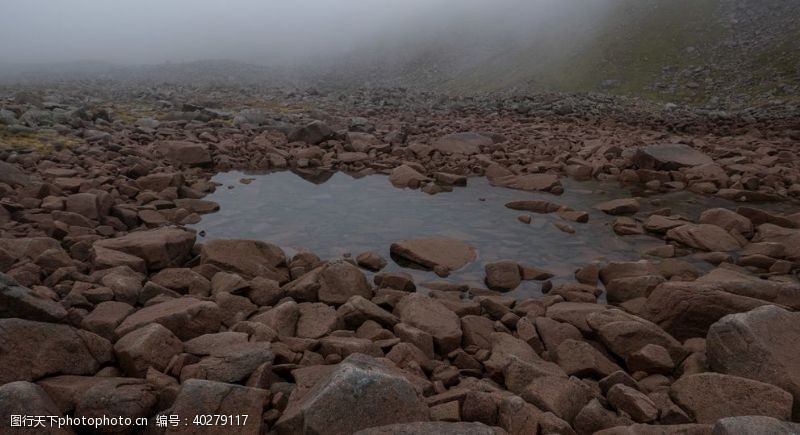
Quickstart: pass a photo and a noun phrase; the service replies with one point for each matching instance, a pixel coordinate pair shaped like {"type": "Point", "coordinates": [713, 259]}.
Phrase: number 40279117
{"type": "Point", "coordinates": [220, 420]}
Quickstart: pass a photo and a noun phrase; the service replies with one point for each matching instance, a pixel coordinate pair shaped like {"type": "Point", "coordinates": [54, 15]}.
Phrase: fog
{"type": "Point", "coordinates": [266, 32]}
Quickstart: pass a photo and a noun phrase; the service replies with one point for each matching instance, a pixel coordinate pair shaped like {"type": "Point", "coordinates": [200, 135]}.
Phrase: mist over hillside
{"type": "Point", "coordinates": [685, 51]}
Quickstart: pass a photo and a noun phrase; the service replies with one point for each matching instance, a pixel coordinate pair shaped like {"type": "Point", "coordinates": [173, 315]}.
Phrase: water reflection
{"type": "Point", "coordinates": [347, 215]}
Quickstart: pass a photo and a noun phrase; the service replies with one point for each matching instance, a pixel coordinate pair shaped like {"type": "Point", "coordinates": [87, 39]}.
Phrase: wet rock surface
{"type": "Point", "coordinates": [114, 299]}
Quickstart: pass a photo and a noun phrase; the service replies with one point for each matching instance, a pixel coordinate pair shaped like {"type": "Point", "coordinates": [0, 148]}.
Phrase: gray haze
{"type": "Point", "coordinates": [263, 31]}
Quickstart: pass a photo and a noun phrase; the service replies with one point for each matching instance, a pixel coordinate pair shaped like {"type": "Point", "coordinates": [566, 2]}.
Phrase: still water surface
{"type": "Point", "coordinates": [348, 215]}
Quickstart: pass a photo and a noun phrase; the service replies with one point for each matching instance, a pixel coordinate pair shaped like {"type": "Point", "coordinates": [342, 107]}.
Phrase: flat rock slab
{"type": "Point", "coordinates": [361, 392]}
{"type": "Point", "coordinates": [530, 182]}
{"type": "Point", "coordinates": [32, 350]}
{"type": "Point", "coordinates": [185, 317]}
{"type": "Point", "coordinates": [462, 143]}
{"type": "Point", "coordinates": [762, 344]}
{"type": "Point", "coordinates": [669, 157]}
{"type": "Point", "coordinates": [160, 248]}
{"type": "Point", "coordinates": [435, 252]}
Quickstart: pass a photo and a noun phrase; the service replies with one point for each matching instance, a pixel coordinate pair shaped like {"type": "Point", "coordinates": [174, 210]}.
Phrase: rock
{"type": "Point", "coordinates": [333, 283]}
{"type": "Point", "coordinates": [433, 317]}
{"type": "Point", "coordinates": [32, 350]}
{"type": "Point", "coordinates": [9, 174]}
{"type": "Point", "coordinates": [619, 206]}
{"type": "Point", "coordinates": [357, 394]}
{"type": "Point", "coordinates": [530, 182]}
{"type": "Point", "coordinates": [20, 302]}
{"type": "Point", "coordinates": [198, 397]}
{"type": "Point", "coordinates": [152, 345]}
{"type": "Point", "coordinates": [623, 334]}
{"type": "Point", "coordinates": [579, 358]}
{"type": "Point", "coordinates": [754, 425]}
{"type": "Point", "coordinates": [346, 346]}
{"type": "Point", "coordinates": [687, 310]}
{"type": "Point", "coordinates": [563, 397]}
{"type": "Point", "coordinates": [120, 397]}
{"type": "Point", "coordinates": [503, 275]}
{"type": "Point", "coordinates": [708, 397]}
{"type": "Point", "coordinates": [669, 157]}
{"type": "Point", "coordinates": [462, 143]}
{"type": "Point", "coordinates": [103, 258]}
{"type": "Point", "coordinates": [316, 320]}
{"type": "Point", "coordinates": [432, 427]}
{"type": "Point", "coordinates": [186, 317]}
{"type": "Point", "coordinates": [371, 261]}
{"type": "Point", "coordinates": [594, 417]}
{"type": "Point", "coordinates": [26, 399]}
{"type": "Point", "coordinates": [84, 204]}
{"type": "Point", "coordinates": [105, 317]}
{"type": "Point", "coordinates": [704, 237]}
{"type": "Point", "coordinates": [340, 280]}
{"type": "Point", "coordinates": [633, 403]}
{"type": "Point", "coordinates": [395, 280]}
{"type": "Point", "coordinates": [789, 238]}
{"type": "Point", "coordinates": [536, 206]}
{"type": "Point", "coordinates": [248, 258]}
{"type": "Point", "coordinates": [159, 248]}
{"type": "Point", "coordinates": [728, 220]}
{"type": "Point", "coordinates": [762, 345]}
{"type": "Point", "coordinates": [231, 362]}
{"type": "Point", "coordinates": [358, 310]}
{"type": "Point", "coordinates": [183, 280]}
{"type": "Point", "coordinates": [658, 429]}
{"type": "Point", "coordinates": [312, 133]}
{"type": "Point", "coordinates": [506, 348]}
{"type": "Point", "coordinates": [431, 253]}
{"type": "Point", "coordinates": [186, 153]}
{"type": "Point", "coordinates": [406, 176]}
{"type": "Point", "coordinates": [651, 358]}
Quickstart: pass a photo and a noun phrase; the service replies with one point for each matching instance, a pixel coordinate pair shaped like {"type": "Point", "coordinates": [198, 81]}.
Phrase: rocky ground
{"type": "Point", "coordinates": [110, 307]}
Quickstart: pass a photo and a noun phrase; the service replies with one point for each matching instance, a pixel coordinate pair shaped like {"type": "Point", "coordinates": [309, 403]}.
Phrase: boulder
{"type": "Point", "coordinates": [184, 152]}
{"type": "Point", "coordinates": [32, 350]}
{"type": "Point", "coordinates": [431, 316]}
{"type": "Point", "coordinates": [159, 248]}
{"type": "Point", "coordinates": [704, 237]}
{"type": "Point", "coordinates": [231, 362]}
{"type": "Point", "coordinates": [21, 302]}
{"type": "Point", "coordinates": [357, 394]}
{"type": "Point", "coordinates": [620, 206]}
{"type": "Point", "coordinates": [432, 253]}
{"type": "Point", "coordinates": [633, 402]}
{"type": "Point", "coordinates": [728, 220]}
{"type": "Point", "coordinates": [406, 176]}
{"type": "Point", "coordinates": [530, 182]}
{"type": "Point", "coordinates": [669, 157]}
{"type": "Point", "coordinates": [462, 143]}
{"type": "Point", "coordinates": [249, 258]}
{"type": "Point", "coordinates": [708, 397]}
{"type": "Point", "coordinates": [312, 133]}
{"type": "Point", "coordinates": [11, 175]}
{"type": "Point", "coordinates": [186, 317]}
{"type": "Point", "coordinates": [152, 345]}
{"type": "Point", "coordinates": [688, 309]}
{"type": "Point", "coordinates": [564, 397]}
{"type": "Point", "coordinates": [503, 275]}
{"type": "Point", "coordinates": [432, 427]}
{"type": "Point", "coordinates": [199, 397]}
{"type": "Point", "coordinates": [754, 425]}
{"type": "Point", "coordinates": [762, 344]}
{"type": "Point", "coordinates": [26, 399]}
{"type": "Point", "coordinates": [579, 358]}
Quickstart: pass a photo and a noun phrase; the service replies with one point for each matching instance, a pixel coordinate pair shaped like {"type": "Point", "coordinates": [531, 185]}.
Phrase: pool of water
{"type": "Point", "coordinates": [347, 215]}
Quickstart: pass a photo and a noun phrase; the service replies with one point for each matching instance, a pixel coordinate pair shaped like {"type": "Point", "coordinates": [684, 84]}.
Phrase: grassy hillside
{"type": "Point", "coordinates": [670, 50]}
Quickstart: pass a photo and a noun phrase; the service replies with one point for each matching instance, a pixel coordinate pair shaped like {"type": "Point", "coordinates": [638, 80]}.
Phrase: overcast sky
{"type": "Point", "coordinates": [155, 31]}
